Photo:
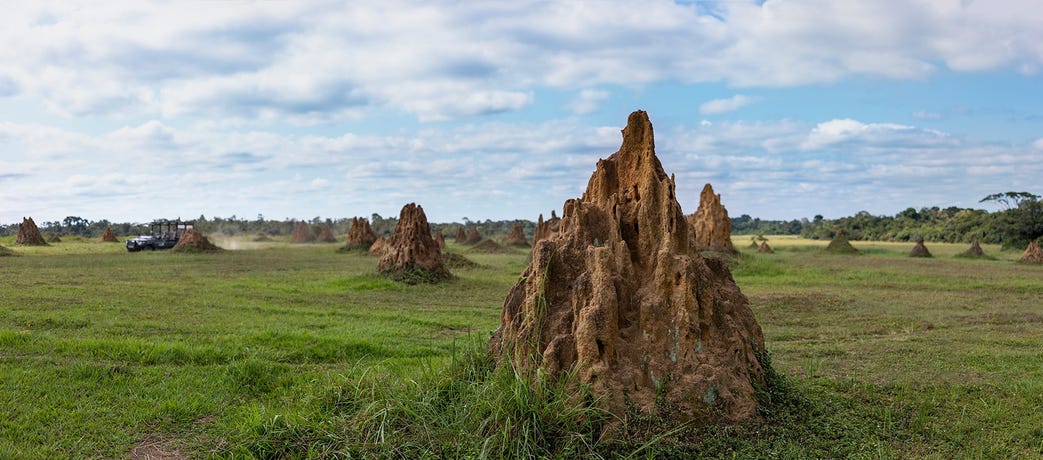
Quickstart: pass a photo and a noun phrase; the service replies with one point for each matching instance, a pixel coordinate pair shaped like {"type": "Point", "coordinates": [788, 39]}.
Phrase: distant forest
{"type": "Point", "coordinates": [1019, 222]}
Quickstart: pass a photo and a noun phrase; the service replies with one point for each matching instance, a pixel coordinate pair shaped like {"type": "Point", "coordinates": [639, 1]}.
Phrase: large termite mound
{"type": "Point", "coordinates": [461, 236]}
{"type": "Point", "coordinates": [713, 227]}
{"type": "Point", "coordinates": [840, 245]}
{"type": "Point", "coordinates": [411, 255]}
{"type": "Point", "coordinates": [29, 234]}
{"type": "Point", "coordinates": [516, 237]}
{"type": "Point", "coordinates": [194, 241]}
{"type": "Point", "coordinates": [1033, 254]}
{"type": "Point", "coordinates": [546, 229]}
{"type": "Point", "coordinates": [919, 250]}
{"type": "Point", "coordinates": [325, 235]}
{"type": "Point", "coordinates": [108, 237]}
{"type": "Point", "coordinates": [622, 297]}
{"type": "Point", "coordinates": [302, 233]}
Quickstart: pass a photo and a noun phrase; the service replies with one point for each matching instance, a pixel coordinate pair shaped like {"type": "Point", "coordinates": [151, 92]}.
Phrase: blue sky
{"type": "Point", "coordinates": [790, 108]}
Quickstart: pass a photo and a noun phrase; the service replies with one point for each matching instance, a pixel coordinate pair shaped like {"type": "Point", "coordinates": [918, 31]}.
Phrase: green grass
{"type": "Point", "coordinates": [298, 351]}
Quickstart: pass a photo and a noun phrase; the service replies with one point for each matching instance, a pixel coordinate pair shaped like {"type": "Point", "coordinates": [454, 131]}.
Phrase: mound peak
{"type": "Point", "coordinates": [546, 229]}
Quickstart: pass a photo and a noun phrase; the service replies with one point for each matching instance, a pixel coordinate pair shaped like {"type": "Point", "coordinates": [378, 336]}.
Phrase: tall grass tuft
{"type": "Point", "coordinates": [467, 408]}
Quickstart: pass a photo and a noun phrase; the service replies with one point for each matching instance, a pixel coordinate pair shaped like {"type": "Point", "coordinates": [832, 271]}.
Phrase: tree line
{"type": "Point", "coordinates": [1020, 221]}
{"type": "Point", "coordinates": [235, 226]}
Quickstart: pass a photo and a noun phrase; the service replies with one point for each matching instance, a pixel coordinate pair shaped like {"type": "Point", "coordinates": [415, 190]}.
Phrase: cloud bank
{"type": "Point", "coordinates": [495, 110]}
{"type": "Point", "coordinates": [318, 61]}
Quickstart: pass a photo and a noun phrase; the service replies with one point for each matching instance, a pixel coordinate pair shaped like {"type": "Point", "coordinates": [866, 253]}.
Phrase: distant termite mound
{"type": "Point", "coordinates": [713, 227]}
{"type": "Point", "coordinates": [108, 237]}
{"type": "Point", "coordinates": [378, 246]}
{"type": "Point", "coordinates": [360, 235]}
{"type": "Point", "coordinates": [473, 237]}
{"type": "Point", "coordinates": [302, 233]}
{"type": "Point", "coordinates": [488, 246]}
{"type": "Point", "coordinates": [920, 250]}
{"type": "Point", "coordinates": [1033, 254]}
{"type": "Point", "coordinates": [454, 261]}
{"type": "Point", "coordinates": [194, 241]}
{"type": "Point", "coordinates": [411, 255]}
{"type": "Point", "coordinates": [262, 238]}
{"type": "Point", "coordinates": [764, 248]}
{"type": "Point", "coordinates": [325, 235]}
{"type": "Point", "coordinates": [622, 298]}
{"type": "Point", "coordinates": [517, 237]}
{"type": "Point", "coordinates": [461, 236]}
{"type": "Point", "coordinates": [54, 239]}
{"type": "Point", "coordinates": [440, 239]}
{"type": "Point", "coordinates": [29, 234]}
{"type": "Point", "coordinates": [840, 244]}
{"type": "Point", "coordinates": [546, 229]}
{"type": "Point", "coordinates": [974, 251]}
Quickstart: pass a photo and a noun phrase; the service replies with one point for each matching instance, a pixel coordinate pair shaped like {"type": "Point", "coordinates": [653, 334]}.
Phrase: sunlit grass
{"type": "Point", "coordinates": [282, 350]}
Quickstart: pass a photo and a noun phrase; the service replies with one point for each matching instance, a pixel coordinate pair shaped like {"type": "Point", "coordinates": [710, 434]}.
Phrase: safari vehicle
{"type": "Point", "coordinates": [163, 234]}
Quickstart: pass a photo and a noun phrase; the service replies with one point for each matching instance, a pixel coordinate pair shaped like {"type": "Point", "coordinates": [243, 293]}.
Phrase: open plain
{"type": "Point", "coordinates": [286, 350]}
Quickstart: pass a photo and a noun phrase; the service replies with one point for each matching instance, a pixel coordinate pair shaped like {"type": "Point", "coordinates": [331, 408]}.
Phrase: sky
{"type": "Point", "coordinates": [136, 110]}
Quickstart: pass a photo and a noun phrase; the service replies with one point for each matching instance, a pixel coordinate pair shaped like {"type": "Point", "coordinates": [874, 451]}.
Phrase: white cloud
{"type": "Point", "coordinates": [318, 62]}
{"type": "Point", "coordinates": [1038, 144]}
{"type": "Point", "coordinates": [926, 115]}
{"type": "Point", "coordinates": [587, 101]}
{"type": "Point", "coordinates": [889, 135]}
{"type": "Point", "coordinates": [731, 104]}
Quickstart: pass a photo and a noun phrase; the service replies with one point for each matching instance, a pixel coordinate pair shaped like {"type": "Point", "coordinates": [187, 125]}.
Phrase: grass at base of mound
{"type": "Point", "coordinates": [353, 249]}
{"type": "Point", "coordinates": [413, 274]}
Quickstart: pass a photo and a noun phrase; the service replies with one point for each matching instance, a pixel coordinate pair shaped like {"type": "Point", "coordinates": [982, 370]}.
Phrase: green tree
{"type": "Point", "coordinates": [1021, 222]}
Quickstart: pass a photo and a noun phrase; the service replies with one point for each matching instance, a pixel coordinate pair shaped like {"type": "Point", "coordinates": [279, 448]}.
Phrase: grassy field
{"type": "Point", "coordinates": [296, 351]}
